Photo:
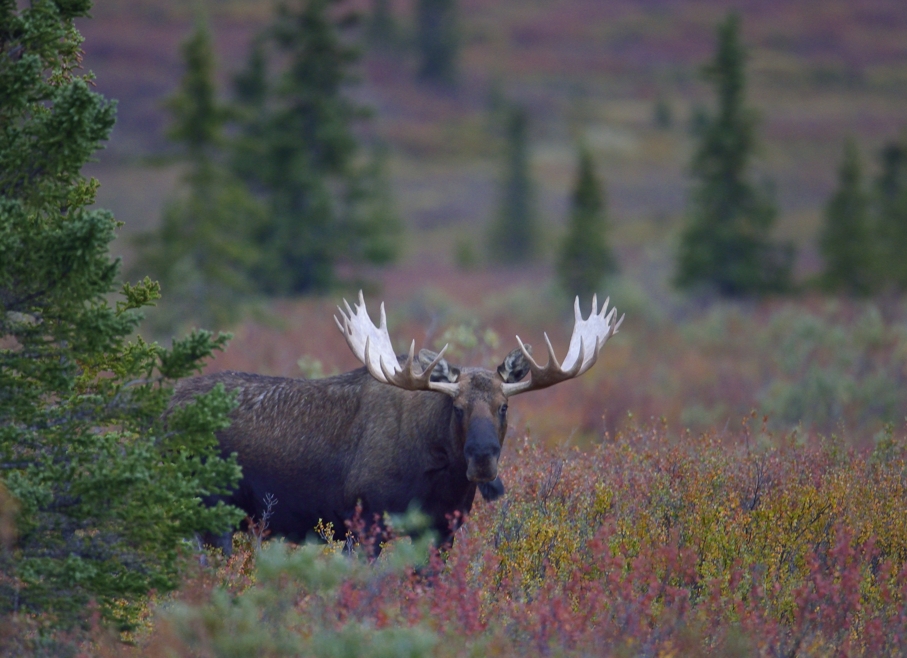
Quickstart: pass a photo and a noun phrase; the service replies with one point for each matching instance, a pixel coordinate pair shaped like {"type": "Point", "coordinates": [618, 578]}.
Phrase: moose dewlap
{"type": "Point", "coordinates": [402, 431]}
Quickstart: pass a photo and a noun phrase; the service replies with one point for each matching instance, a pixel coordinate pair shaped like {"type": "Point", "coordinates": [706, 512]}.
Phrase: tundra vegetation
{"type": "Point", "coordinates": [777, 537]}
{"type": "Point", "coordinates": [742, 543]}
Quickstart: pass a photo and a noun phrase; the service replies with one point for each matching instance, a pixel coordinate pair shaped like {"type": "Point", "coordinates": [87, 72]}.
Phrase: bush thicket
{"type": "Point", "coordinates": [645, 544]}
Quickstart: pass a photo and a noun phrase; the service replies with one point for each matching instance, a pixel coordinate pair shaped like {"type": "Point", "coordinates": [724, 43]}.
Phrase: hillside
{"type": "Point", "coordinates": [819, 72]}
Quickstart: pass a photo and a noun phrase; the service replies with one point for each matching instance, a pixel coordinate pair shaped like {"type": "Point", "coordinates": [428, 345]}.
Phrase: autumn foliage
{"type": "Point", "coordinates": [749, 545]}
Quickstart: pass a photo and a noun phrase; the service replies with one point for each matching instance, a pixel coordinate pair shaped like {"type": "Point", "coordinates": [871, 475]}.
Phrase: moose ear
{"type": "Point", "coordinates": [515, 366]}
{"type": "Point", "coordinates": [443, 372]}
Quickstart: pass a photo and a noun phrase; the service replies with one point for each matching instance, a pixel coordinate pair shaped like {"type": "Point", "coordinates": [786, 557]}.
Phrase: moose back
{"type": "Point", "coordinates": [398, 432]}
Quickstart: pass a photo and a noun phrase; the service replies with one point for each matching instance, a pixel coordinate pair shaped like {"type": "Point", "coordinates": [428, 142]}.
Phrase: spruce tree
{"type": "Point", "coordinates": [726, 245]}
{"type": "Point", "coordinates": [105, 494]}
{"type": "Point", "coordinates": [251, 84]}
{"type": "Point", "coordinates": [845, 242]}
{"type": "Point", "coordinates": [585, 257]}
{"type": "Point", "coordinates": [298, 153]}
{"type": "Point", "coordinates": [204, 249]}
{"type": "Point", "coordinates": [891, 215]}
{"type": "Point", "coordinates": [374, 225]}
{"type": "Point", "coordinates": [438, 41]}
{"type": "Point", "coordinates": [513, 236]}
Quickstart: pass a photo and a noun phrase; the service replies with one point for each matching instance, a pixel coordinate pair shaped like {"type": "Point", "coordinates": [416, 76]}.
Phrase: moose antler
{"type": "Point", "coordinates": [372, 346]}
{"type": "Point", "coordinates": [588, 338]}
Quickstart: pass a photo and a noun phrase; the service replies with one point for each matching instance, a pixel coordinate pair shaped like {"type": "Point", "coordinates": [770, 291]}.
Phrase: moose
{"type": "Point", "coordinates": [403, 430]}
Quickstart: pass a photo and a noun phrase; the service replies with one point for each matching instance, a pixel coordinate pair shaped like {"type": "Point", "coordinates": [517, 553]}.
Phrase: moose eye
{"type": "Point", "coordinates": [503, 410]}
{"type": "Point", "coordinates": [459, 412]}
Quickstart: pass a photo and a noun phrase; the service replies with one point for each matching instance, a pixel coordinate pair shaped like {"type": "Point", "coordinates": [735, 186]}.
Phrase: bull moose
{"type": "Point", "coordinates": [402, 430]}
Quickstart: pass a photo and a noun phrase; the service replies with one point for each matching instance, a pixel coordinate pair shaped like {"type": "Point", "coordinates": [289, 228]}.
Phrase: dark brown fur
{"type": "Point", "coordinates": [320, 446]}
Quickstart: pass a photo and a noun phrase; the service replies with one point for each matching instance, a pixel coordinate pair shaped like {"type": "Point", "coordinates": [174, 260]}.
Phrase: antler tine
{"type": "Point", "coordinates": [407, 372]}
{"type": "Point", "coordinates": [528, 355]}
{"type": "Point", "coordinates": [592, 333]}
{"type": "Point", "coordinates": [390, 377]}
{"type": "Point", "coordinates": [576, 368]}
{"type": "Point", "coordinates": [383, 325]}
{"type": "Point", "coordinates": [408, 364]}
{"type": "Point", "coordinates": [426, 372]}
{"type": "Point", "coordinates": [379, 375]}
{"type": "Point", "coordinates": [552, 360]}
{"type": "Point", "coordinates": [372, 346]}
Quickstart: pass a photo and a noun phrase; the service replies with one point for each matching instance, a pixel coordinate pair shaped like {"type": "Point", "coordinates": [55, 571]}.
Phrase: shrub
{"type": "Point", "coordinates": [756, 545]}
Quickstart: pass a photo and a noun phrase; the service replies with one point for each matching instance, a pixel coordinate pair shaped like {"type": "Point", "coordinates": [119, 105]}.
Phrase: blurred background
{"type": "Point", "coordinates": [460, 159]}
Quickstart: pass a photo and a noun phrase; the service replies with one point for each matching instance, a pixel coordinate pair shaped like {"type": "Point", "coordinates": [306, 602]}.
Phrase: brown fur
{"type": "Point", "coordinates": [320, 446]}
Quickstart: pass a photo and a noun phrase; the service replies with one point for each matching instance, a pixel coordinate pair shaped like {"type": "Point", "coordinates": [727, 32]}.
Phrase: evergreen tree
{"type": "Point", "coordinates": [106, 495]}
{"type": "Point", "coordinates": [585, 257]}
{"type": "Point", "coordinates": [251, 88]}
{"type": "Point", "coordinates": [513, 235]}
{"type": "Point", "coordinates": [198, 117]}
{"type": "Point", "coordinates": [374, 225]}
{"type": "Point", "coordinates": [891, 215]}
{"type": "Point", "coordinates": [297, 152]}
{"type": "Point", "coordinates": [437, 38]}
{"type": "Point", "coordinates": [725, 245]}
{"type": "Point", "coordinates": [251, 84]}
{"type": "Point", "coordinates": [845, 242]}
{"type": "Point", "coordinates": [203, 250]}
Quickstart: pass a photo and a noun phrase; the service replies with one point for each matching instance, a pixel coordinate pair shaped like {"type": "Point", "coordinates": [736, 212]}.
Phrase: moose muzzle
{"type": "Point", "coordinates": [482, 450]}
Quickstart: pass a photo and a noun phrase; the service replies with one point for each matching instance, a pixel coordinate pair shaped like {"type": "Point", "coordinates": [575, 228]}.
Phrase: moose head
{"type": "Point", "coordinates": [479, 396]}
